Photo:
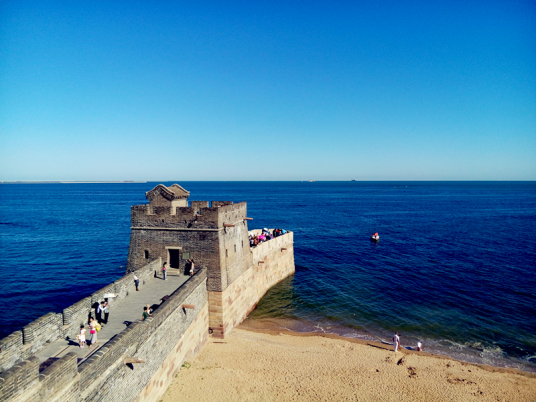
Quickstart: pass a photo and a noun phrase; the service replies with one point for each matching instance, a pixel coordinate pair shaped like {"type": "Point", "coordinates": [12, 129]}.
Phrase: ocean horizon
{"type": "Point", "coordinates": [454, 267]}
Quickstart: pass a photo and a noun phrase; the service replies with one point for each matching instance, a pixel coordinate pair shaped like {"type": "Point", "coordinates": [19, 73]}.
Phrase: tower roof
{"type": "Point", "coordinates": [174, 192]}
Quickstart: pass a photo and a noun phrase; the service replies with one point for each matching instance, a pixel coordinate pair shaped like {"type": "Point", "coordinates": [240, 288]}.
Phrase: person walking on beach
{"type": "Point", "coordinates": [164, 270]}
{"type": "Point", "coordinates": [137, 282]}
{"type": "Point", "coordinates": [396, 341]}
{"type": "Point", "coordinates": [93, 331]}
{"type": "Point", "coordinates": [419, 346]}
{"type": "Point", "coordinates": [82, 336]}
{"type": "Point", "coordinates": [106, 311]}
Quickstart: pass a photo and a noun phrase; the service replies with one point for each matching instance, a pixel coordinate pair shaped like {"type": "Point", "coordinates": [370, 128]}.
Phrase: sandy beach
{"type": "Point", "coordinates": [276, 366]}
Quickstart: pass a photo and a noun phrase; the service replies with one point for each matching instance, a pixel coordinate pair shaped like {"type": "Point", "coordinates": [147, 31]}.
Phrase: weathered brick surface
{"type": "Point", "coordinates": [21, 382]}
{"type": "Point", "coordinates": [230, 279]}
{"type": "Point", "coordinates": [204, 233]}
{"type": "Point", "coordinates": [76, 315]}
{"type": "Point", "coordinates": [11, 350]}
{"type": "Point", "coordinates": [187, 347]}
{"type": "Point", "coordinates": [38, 333]}
{"type": "Point", "coordinates": [60, 380]}
{"type": "Point", "coordinates": [271, 264]}
{"type": "Point", "coordinates": [105, 380]}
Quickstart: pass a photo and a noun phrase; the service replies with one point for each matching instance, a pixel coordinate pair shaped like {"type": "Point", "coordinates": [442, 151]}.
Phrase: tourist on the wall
{"type": "Point", "coordinates": [146, 313]}
{"type": "Point", "coordinates": [106, 311]}
{"type": "Point", "coordinates": [100, 310]}
{"type": "Point", "coordinates": [164, 270]}
{"type": "Point", "coordinates": [93, 332]}
{"type": "Point", "coordinates": [191, 266]}
{"type": "Point", "coordinates": [82, 336]}
{"type": "Point", "coordinates": [137, 282]}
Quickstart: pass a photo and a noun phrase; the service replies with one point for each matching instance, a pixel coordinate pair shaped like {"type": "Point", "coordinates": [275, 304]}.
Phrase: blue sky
{"type": "Point", "coordinates": [268, 90]}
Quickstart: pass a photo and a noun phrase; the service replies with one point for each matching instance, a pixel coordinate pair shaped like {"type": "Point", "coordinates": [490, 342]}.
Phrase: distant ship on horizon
{"type": "Point", "coordinates": [311, 181]}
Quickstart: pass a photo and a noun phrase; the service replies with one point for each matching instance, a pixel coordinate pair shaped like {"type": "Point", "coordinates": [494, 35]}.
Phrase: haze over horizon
{"type": "Point", "coordinates": [96, 91]}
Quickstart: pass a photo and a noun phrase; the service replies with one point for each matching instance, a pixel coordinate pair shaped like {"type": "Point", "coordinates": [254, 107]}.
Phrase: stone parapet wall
{"type": "Point", "coordinates": [60, 381]}
{"type": "Point", "coordinates": [195, 217]}
{"type": "Point", "coordinates": [171, 330]}
{"type": "Point", "coordinates": [11, 350]}
{"type": "Point", "coordinates": [271, 245]}
{"type": "Point", "coordinates": [163, 342]}
{"type": "Point", "coordinates": [271, 264]}
{"type": "Point", "coordinates": [76, 315]}
{"type": "Point", "coordinates": [38, 333]}
{"type": "Point", "coordinates": [188, 346]}
{"type": "Point", "coordinates": [21, 382]}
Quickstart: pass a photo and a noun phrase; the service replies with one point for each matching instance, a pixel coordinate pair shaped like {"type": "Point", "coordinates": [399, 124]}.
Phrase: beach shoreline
{"type": "Point", "coordinates": [388, 347]}
{"type": "Point", "coordinates": [297, 327]}
{"type": "Point", "coordinates": [266, 365]}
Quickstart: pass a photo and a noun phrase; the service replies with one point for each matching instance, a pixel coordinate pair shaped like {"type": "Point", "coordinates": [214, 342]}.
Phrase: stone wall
{"type": "Point", "coordinates": [10, 350]}
{"type": "Point", "coordinates": [21, 382]}
{"type": "Point", "coordinates": [34, 336]}
{"type": "Point", "coordinates": [76, 315]}
{"type": "Point", "coordinates": [60, 381]}
{"type": "Point", "coordinates": [271, 264]}
{"type": "Point", "coordinates": [171, 331]}
{"type": "Point", "coordinates": [163, 342]}
{"type": "Point", "coordinates": [38, 333]}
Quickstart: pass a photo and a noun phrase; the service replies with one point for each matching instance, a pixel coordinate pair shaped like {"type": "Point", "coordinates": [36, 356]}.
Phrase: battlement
{"type": "Point", "coordinates": [198, 216]}
{"type": "Point", "coordinates": [135, 363]}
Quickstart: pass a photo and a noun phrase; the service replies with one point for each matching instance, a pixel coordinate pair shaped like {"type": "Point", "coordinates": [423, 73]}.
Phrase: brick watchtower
{"type": "Point", "coordinates": [214, 236]}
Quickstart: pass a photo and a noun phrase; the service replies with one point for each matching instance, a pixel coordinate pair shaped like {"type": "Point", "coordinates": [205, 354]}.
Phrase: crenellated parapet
{"type": "Point", "coordinates": [198, 216]}
{"type": "Point", "coordinates": [229, 280]}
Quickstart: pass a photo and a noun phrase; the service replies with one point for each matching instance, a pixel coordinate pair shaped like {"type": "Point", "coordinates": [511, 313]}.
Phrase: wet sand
{"type": "Point", "coordinates": [276, 366]}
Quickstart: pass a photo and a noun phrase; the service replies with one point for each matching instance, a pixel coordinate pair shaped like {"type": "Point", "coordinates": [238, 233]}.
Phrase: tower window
{"type": "Point", "coordinates": [235, 248]}
{"type": "Point", "coordinates": [226, 253]}
{"type": "Point", "coordinates": [146, 253]}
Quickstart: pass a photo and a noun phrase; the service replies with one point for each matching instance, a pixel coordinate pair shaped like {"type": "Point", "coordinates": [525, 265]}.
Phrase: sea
{"type": "Point", "coordinates": [455, 266]}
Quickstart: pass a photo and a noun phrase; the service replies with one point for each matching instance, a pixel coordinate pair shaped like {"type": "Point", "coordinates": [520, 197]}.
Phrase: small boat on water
{"type": "Point", "coordinates": [375, 237]}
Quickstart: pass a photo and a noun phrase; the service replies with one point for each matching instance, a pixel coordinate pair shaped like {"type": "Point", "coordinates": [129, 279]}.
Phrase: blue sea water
{"type": "Point", "coordinates": [455, 266]}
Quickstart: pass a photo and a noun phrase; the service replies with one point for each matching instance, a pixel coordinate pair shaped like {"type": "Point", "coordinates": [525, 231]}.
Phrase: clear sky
{"type": "Point", "coordinates": [188, 90]}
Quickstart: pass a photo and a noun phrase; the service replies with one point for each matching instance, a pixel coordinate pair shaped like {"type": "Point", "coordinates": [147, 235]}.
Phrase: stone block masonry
{"type": "Point", "coordinates": [10, 350]}
{"type": "Point", "coordinates": [76, 315]}
{"type": "Point", "coordinates": [230, 279]}
{"type": "Point", "coordinates": [271, 264]}
{"type": "Point", "coordinates": [60, 381]}
{"type": "Point", "coordinates": [38, 333]}
{"type": "Point", "coordinates": [21, 382]}
{"type": "Point", "coordinates": [171, 331]}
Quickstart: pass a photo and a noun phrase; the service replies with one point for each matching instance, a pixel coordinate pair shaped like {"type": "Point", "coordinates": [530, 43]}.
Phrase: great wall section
{"type": "Point", "coordinates": [136, 360]}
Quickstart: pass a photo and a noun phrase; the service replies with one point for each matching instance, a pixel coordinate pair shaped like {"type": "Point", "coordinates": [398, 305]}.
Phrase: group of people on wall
{"type": "Point", "coordinates": [255, 240]}
{"type": "Point", "coordinates": [102, 313]}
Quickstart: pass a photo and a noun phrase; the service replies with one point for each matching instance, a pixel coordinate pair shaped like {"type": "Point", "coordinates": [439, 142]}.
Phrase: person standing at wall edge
{"type": "Point", "coordinates": [164, 270]}
{"type": "Point", "coordinates": [106, 311]}
{"type": "Point", "coordinates": [137, 282]}
{"type": "Point", "coordinates": [99, 312]}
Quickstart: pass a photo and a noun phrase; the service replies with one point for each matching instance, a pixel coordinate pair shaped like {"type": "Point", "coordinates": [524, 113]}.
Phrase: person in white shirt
{"type": "Point", "coordinates": [396, 341]}
{"type": "Point", "coordinates": [419, 346]}
{"type": "Point", "coordinates": [82, 336]}
{"type": "Point", "coordinates": [100, 310]}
